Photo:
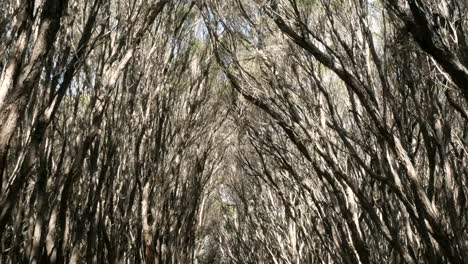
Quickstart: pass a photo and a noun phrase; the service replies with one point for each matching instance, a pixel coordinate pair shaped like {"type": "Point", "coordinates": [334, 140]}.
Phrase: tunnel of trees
{"type": "Point", "coordinates": [233, 131]}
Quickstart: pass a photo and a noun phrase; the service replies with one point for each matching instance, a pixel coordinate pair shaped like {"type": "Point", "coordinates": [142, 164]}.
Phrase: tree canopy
{"type": "Point", "coordinates": [236, 131]}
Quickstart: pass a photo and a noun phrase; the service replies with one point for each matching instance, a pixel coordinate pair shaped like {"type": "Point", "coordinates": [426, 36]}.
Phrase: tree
{"type": "Point", "coordinates": [243, 131]}
{"type": "Point", "coordinates": [362, 109]}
